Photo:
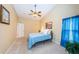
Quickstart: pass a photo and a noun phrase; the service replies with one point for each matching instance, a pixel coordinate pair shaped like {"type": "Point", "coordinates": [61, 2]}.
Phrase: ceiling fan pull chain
{"type": "Point", "coordinates": [35, 7]}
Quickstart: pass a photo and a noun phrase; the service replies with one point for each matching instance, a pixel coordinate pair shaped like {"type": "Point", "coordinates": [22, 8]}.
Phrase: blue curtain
{"type": "Point", "coordinates": [75, 28]}
{"type": "Point", "coordinates": [67, 30]}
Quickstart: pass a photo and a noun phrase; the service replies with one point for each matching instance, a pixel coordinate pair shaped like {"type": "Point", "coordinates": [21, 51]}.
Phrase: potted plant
{"type": "Point", "coordinates": [72, 48]}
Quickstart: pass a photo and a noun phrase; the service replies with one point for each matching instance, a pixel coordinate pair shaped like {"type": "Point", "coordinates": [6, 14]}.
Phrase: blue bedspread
{"type": "Point", "coordinates": [36, 37]}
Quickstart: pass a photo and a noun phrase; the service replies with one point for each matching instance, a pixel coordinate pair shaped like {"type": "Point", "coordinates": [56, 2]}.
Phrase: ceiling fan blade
{"type": "Point", "coordinates": [31, 10]}
{"type": "Point", "coordinates": [39, 15]}
{"type": "Point", "coordinates": [30, 14]}
{"type": "Point", "coordinates": [39, 12]}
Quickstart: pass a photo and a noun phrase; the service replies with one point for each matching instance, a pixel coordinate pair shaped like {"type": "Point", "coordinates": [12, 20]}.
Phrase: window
{"type": "Point", "coordinates": [70, 30]}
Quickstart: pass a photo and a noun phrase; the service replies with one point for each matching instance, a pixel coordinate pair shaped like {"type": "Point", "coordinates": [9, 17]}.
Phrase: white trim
{"type": "Point", "coordinates": [10, 47]}
{"type": "Point", "coordinates": [57, 42]}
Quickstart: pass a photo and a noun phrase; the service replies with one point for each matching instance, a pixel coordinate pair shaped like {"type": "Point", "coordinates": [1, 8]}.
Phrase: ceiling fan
{"type": "Point", "coordinates": [35, 12]}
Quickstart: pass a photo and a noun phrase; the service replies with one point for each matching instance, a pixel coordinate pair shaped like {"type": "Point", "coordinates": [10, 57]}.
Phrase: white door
{"type": "Point", "coordinates": [20, 30]}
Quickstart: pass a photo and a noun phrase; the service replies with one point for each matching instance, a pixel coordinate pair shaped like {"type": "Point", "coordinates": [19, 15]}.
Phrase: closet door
{"type": "Point", "coordinates": [20, 30]}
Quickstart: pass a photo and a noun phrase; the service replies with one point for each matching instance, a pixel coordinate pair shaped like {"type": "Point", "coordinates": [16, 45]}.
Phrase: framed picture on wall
{"type": "Point", "coordinates": [4, 15]}
{"type": "Point", "coordinates": [49, 25]}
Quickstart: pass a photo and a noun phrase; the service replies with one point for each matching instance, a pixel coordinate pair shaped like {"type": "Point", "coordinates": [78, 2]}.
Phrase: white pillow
{"type": "Point", "coordinates": [46, 31]}
{"type": "Point", "coordinates": [49, 31]}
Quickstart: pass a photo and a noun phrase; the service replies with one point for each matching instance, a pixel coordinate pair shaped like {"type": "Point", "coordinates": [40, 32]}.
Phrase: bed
{"type": "Point", "coordinates": [37, 37]}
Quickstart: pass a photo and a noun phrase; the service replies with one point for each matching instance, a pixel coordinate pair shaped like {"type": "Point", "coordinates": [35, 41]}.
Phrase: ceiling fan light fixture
{"type": "Point", "coordinates": [35, 13]}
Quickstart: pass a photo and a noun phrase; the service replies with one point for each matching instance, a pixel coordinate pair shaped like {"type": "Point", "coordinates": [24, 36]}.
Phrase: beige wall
{"type": "Point", "coordinates": [8, 32]}
{"type": "Point", "coordinates": [56, 15]}
{"type": "Point", "coordinates": [30, 26]}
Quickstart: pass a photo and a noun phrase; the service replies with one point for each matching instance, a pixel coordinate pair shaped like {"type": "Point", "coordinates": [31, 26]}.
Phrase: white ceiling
{"type": "Point", "coordinates": [23, 10]}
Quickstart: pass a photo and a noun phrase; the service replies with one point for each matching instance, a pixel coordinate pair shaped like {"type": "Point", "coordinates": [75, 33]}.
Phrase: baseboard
{"type": "Point", "coordinates": [13, 44]}
{"type": "Point", "coordinates": [20, 37]}
{"type": "Point", "coordinates": [57, 42]}
{"type": "Point", "coordinates": [10, 47]}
